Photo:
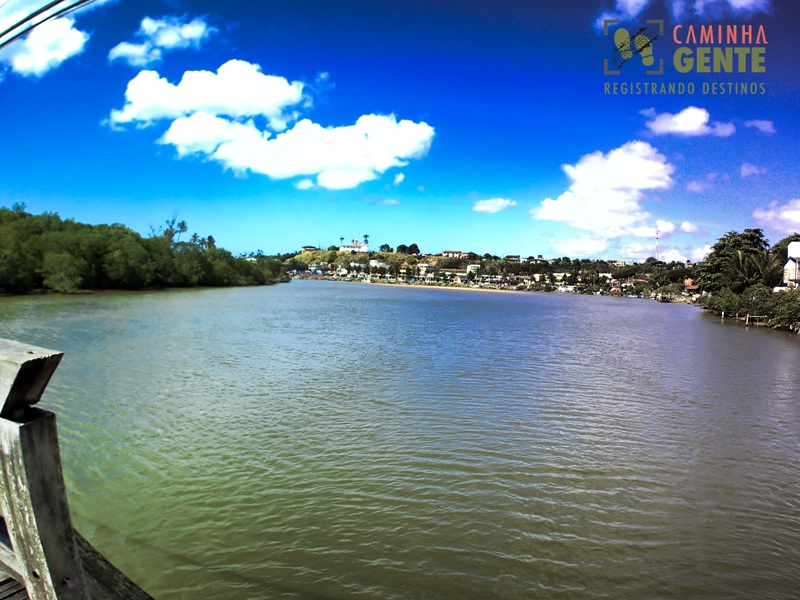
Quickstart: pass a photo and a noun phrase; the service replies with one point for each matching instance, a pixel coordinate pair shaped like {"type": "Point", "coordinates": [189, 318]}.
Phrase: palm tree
{"type": "Point", "coordinates": [769, 266]}
{"type": "Point", "coordinates": [182, 227]}
{"type": "Point", "coordinates": [740, 271]}
{"type": "Point", "coordinates": [366, 239]}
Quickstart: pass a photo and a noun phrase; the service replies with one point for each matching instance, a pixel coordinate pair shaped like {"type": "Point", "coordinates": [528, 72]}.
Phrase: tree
{"type": "Point", "coordinates": [710, 276]}
{"type": "Point", "coordinates": [769, 266]}
{"type": "Point", "coordinates": [366, 239]}
{"type": "Point", "coordinates": [781, 248]}
{"type": "Point", "coordinates": [63, 272]}
{"type": "Point", "coordinates": [385, 248]}
{"type": "Point", "coordinates": [182, 227]}
{"type": "Point", "coordinates": [402, 249]}
{"type": "Point", "coordinates": [739, 272]}
{"type": "Point", "coordinates": [413, 249]}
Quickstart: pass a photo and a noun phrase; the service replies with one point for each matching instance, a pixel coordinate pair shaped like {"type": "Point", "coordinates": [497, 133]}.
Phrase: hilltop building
{"type": "Point", "coordinates": [356, 246]}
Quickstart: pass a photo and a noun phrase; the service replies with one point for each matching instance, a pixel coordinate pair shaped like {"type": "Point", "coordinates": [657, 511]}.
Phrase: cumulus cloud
{"type": "Point", "coordinates": [665, 226]}
{"type": "Point", "coordinates": [636, 251]}
{"type": "Point", "coordinates": [398, 179]}
{"type": "Point", "coordinates": [494, 205]}
{"type": "Point", "coordinates": [45, 47]}
{"type": "Point", "coordinates": [691, 121]}
{"type": "Point", "coordinates": [688, 227]}
{"type": "Point", "coordinates": [699, 254]}
{"type": "Point", "coordinates": [238, 89]}
{"type": "Point", "coordinates": [762, 126]}
{"type": "Point", "coordinates": [748, 169]}
{"type": "Point", "coordinates": [240, 118]}
{"type": "Point", "coordinates": [340, 157]}
{"type": "Point", "coordinates": [606, 190]}
{"type": "Point", "coordinates": [671, 255]}
{"type": "Point", "coordinates": [784, 218]}
{"type": "Point", "coordinates": [159, 35]}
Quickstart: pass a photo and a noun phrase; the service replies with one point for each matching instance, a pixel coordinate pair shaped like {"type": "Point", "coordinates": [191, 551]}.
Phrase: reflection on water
{"type": "Point", "coordinates": [329, 440]}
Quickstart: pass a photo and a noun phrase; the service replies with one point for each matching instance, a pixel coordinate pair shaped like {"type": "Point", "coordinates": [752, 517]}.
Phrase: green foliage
{"type": "Point", "coordinates": [63, 272]}
{"type": "Point", "coordinates": [781, 248]}
{"type": "Point", "coordinates": [758, 299]}
{"type": "Point", "coordinates": [786, 309]}
{"type": "Point", "coordinates": [45, 251]}
{"type": "Point", "coordinates": [711, 273]}
{"type": "Point", "coordinates": [724, 301]}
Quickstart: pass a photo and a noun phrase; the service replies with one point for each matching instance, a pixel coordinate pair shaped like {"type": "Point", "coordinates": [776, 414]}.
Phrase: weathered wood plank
{"type": "Point", "coordinates": [34, 503]}
{"type": "Point", "coordinates": [38, 546]}
{"type": "Point", "coordinates": [25, 371]}
{"type": "Point", "coordinates": [106, 582]}
{"type": "Point", "coordinates": [11, 589]}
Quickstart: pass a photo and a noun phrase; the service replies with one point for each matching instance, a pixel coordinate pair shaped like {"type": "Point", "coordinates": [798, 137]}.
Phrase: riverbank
{"type": "Point", "coordinates": [482, 288]}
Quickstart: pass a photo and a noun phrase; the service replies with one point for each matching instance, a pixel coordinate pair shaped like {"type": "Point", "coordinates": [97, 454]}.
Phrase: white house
{"type": "Point", "coordinates": [356, 246]}
{"type": "Point", "coordinates": [791, 270]}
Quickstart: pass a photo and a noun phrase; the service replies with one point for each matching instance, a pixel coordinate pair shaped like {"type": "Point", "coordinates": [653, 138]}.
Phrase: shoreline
{"type": "Point", "coordinates": [461, 287]}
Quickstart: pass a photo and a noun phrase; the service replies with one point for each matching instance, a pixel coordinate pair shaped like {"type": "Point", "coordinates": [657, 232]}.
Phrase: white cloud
{"type": "Point", "coordinates": [699, 254]}
{"type": "Point", "coordinates": [389, 202]}
{"type": "Point", "coordinates": [688, 227]}
{"type": "Point", "coordinates": [494, 205]}
{"type": "Point", "coordinates": [691, 121]}
{"type": "Point", "coordinates": [584, 246]}
{"type": "Point", "coordinates": [304, 184]}
{"type": "Point", "coordinates": [749, 169]}
{"type": "Point", "coordinates": [606, 189]}
{"type": "Point", "coordinates": [238, 89]}
{"type": "Point", "coordinates": [217, 115]}
{"type": "Point", "coordinates": [157, 35]}
{"type": "Point", "coordinates": [398, 179]}
{"type": "Point", "coordinates": [636, 251]}
{"type": "Point", "coordinates": [671, 255]}
{"type": "Point", "coordinates": [665, 226]}
{"type": "Point", "coordinates": [783, 218]}
{"type": "Point", "coordinates": [762, 126]}
{"type": "Point", "coordinates": [340, 157]}
{"type": "Point", "coordinates": [642, 231]}
{"type": "Point", "coordinates": [45, 47]}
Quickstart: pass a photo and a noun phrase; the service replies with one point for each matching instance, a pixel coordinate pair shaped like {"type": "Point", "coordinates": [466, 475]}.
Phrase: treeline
{"type": "Point", "coordinates": [47, 252]}
{"type": "Point", "coordinates": [740, 274]}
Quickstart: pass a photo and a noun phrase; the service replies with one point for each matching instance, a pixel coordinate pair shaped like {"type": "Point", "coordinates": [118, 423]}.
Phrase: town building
{"type": "Point", "coordinates": [791, 270]}
{"type": "Point", "coordinates": [356, 246]}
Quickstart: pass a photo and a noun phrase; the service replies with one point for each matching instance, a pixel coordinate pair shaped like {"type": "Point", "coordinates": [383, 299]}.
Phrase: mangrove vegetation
{"type": "Point", "coordinates": [46, 252]}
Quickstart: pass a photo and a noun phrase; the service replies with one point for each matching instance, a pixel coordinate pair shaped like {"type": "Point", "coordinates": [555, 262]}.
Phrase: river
{"type": "Point", "coordinates": [334, 440]}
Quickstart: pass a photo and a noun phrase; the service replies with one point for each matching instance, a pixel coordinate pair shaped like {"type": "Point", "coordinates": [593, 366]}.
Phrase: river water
{"type": "Point", "coordinates": [334, 440]}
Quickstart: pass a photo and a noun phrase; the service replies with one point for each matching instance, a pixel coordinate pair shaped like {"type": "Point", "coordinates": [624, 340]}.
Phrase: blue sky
{"type": "Point", "coordinates": [466, 125]}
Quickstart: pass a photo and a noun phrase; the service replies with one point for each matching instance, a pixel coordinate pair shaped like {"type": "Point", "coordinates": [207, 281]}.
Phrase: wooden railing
{"type": "Point", "coordinates": [39, 547]}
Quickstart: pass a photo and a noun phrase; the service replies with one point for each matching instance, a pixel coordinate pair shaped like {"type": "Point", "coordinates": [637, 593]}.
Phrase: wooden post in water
{"type": "Point", "coordinates": [44, 555]}
{"type": "Point", "coordinates": [42, 551]}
